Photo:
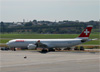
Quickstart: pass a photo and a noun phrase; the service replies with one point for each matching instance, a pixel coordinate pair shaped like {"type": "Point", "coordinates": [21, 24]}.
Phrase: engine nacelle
{"type": "Point", "coordinates": [31, 46]}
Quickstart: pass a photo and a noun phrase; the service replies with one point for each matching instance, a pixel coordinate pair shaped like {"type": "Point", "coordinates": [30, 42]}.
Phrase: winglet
{"type": "Point", "coordinates": [85, 34]}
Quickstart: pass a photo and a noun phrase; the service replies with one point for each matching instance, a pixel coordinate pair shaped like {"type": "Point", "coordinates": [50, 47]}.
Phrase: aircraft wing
{"type": "Point", "coordinates": [84, 40]}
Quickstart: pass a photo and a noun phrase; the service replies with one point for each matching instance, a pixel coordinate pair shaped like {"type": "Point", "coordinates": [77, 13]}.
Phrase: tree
{"type": "Point", "coordinates": [28, 24]}
{"type": "Point", "coordinates": [2, 27]}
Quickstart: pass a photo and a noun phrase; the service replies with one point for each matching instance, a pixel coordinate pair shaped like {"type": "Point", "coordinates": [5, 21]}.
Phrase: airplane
{"type": "Point", "coordinates": [49, 44]}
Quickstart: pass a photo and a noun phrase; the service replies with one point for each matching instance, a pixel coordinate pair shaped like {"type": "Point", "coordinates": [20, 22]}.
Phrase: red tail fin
{"type": "Point", "coordinates": [86, 32]}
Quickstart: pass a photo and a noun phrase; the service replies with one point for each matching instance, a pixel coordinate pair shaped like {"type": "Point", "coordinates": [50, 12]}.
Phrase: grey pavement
{"type": "Point", "coordinates": [14, 61]}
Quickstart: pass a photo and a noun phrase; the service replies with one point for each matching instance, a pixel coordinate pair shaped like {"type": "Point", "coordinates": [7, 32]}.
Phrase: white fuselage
{"type": "Point", "coordinates": [51, 43]}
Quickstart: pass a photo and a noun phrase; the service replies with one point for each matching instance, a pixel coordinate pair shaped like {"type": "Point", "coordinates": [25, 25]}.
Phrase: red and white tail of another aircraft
{"type": "Point", "coordinates": [51, 43]}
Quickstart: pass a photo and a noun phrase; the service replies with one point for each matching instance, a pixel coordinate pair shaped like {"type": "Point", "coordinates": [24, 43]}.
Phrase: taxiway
{"type": "Point", "coordinates": [14, 61]}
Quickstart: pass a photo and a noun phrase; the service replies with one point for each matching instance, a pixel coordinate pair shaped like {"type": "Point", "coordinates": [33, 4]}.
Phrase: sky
{"type": "Point", "coordinates": [51, 10]}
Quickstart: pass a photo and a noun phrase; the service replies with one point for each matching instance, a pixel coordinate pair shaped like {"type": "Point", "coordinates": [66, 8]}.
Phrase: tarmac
{"type": "Point", "coordinates": [33, 61]}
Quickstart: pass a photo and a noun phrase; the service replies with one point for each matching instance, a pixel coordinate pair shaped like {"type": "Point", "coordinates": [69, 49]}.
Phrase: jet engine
{"type": "Point", "coordinates": [31, 46]}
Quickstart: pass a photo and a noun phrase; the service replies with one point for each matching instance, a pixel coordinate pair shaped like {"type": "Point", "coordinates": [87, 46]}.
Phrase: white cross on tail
{"type": "Point", "coordinates": [86, 32]}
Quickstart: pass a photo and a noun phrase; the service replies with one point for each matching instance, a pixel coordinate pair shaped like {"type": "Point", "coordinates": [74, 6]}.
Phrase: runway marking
{"type": "Point", "coordinates": [15, 65]}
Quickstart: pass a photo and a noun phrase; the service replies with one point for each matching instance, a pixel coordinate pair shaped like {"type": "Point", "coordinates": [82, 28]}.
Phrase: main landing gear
{"type": "Point", "coordinates": [44, 50]}
{"type": "Point", "coordinates": [51, 49]}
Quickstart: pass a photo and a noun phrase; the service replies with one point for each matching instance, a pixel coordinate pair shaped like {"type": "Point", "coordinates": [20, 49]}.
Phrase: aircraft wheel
{"type": "Point", "coordinates": [44, 51]}
{"type": "Point", "coordinates": [82, 48]}
{"type": "Point", "coordinates": [51, 49]}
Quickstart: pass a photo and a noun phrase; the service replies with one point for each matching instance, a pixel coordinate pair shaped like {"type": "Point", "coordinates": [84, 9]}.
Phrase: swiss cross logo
{"type": "Point", "coordinates": [86, 32]}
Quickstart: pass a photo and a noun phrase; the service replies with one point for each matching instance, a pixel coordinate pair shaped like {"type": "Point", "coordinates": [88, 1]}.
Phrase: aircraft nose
{"type": "Point", "coordinates": [7, 43]}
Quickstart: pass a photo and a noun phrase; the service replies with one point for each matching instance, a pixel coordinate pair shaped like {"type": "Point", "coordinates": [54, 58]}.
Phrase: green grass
{"type": "Point", "coordinates": [4, 40]}
{"type": "Point", "coordinates": [44, 36]}
{"type": "Point", "coordinates": [41, 36]}
{"type": "Point", "coordinates": [95, 42]}
{"type": "Point", "coordinates": [6, 37]}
